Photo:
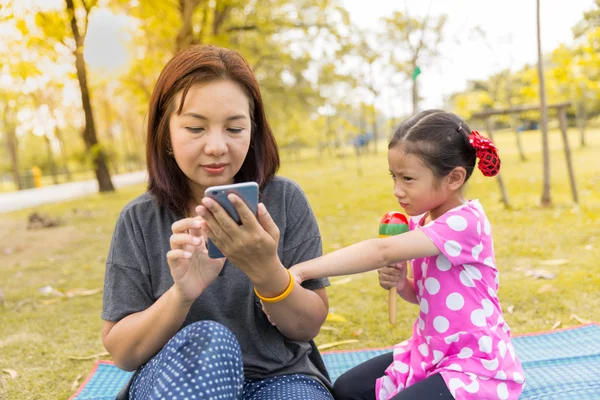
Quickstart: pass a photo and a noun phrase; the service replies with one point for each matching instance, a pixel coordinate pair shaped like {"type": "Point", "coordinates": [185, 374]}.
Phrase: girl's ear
{"type": "Point", "coordinates": [456, 178]}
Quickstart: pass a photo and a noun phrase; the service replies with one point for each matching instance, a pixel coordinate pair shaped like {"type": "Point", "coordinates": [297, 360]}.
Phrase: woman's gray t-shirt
{"type": "Point", "coordinates": [137, 274]}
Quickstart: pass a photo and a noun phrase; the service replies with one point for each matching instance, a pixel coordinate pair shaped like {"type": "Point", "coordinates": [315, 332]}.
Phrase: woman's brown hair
{"type": "Point", "coordinates": [197, 65]}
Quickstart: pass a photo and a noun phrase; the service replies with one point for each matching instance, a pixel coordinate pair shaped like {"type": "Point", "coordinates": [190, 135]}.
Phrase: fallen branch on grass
{"type": "Point", "coordinates": [93, 356]}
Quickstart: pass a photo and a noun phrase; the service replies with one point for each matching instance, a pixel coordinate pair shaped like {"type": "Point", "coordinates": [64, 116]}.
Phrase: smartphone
{"type": "Point", "coordinates": [247, 191]}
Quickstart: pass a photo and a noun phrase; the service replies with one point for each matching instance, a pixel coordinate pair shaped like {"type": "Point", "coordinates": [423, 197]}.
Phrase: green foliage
{"type": "Point", "coordinates": [572, 74]}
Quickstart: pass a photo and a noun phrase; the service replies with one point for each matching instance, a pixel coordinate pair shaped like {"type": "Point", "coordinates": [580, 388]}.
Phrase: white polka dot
{"type": "Point", "coordinates": [455, 301]}
{"type": "Point", "coordinates": [421, 324]}
{"type": "Point", "coordinates": [487, 227]}
{"type": "Point", "coordinates": [428, 339]}
{"type": "Point", "coordinates": [454, 384]}
{"type": "Point", "coordinates": [441, 324]}
{"type": "Point", "coordinates": [489, 262]}
{"type": "Point", "coordinates": [502, 348]}
{"type": "Point", "coordinates": [424, 349]}
{"type": "Point", "coordinates": [466, 279]}
{"type": "Point", "coordinates": [442, 263]}
{"type": "Point", "coordinates": [432, 285]}
{"type": "Point", "coordinates": [490, 365]}
{"type": "Point", "coordinates": [457, 223]}
{"type": "Point", "coordinates": [424, 306]}
{"type": "Point", "coordinates": [478, 318]}
{"type": "Point", "coordinates": [400, 367]}
{"type": "Point", "coordinates": [437, 356]}
{"type": "Point", "coordinates": [452, 338]}
{"type": "Point", "coordinates": [500, 375]}
{"type": "Point", "coordinates": [472, 387]}
{"type": "Point", "coordinates": [473, 272]}
{"type": "Point", "coordinates": [492, 292]}
{"type": "Point", "coordinates": [424, 269]}
{"type": "Point", "coordinates": [485, 344]}
{"type": "Point", "coordinates": [476, 251]}
{"type": "Point", "coordinates": [517, 377]}
{"type": "Point", "coordinates": [420, 286]}
{"type": "Point", "coordinates": [511, 350]}
{"type": "Point", "coordinates": [454, 367]}
{"type": "Point", "coordinates": [453, 248]}
{"type": "Point", "coordinates": [465, 352]}
{"type": "Point", "coordinates": [502, 391]}
{"type": "Point", "coordinates": [479, 228]}
{"type": "Point", "coordinates": [488, 307]}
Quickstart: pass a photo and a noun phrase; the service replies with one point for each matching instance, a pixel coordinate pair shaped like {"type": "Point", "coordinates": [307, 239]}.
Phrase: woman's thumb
{"type": "Point", "coordinates": [265, 220]}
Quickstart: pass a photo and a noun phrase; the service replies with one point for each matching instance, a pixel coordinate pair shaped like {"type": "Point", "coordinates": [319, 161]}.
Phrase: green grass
{"type": "Point", "coordinates": [37, 337]}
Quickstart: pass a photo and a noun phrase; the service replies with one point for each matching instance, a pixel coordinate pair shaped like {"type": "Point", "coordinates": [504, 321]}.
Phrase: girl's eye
{"type": "Point", "coordinates": [408, 179]}
{"type": "Point", "coordinates": [393, 176]}
{"type": "Point", "coordinates": [235, 130]}
{"type": "Point", "coordinates": [194, 129]}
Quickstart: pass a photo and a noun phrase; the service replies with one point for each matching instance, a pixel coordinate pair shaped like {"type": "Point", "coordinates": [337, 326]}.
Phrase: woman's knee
{"type": "Point", "coordinates": [205, 336]}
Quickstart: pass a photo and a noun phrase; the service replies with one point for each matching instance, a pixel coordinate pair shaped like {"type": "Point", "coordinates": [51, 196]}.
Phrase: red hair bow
{"type": "Point", "coordinates": [486, 151]}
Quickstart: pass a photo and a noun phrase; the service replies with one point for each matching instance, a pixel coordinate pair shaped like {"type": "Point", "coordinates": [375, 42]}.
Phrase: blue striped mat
{"type": "Point", "coordinates": [558, 365]}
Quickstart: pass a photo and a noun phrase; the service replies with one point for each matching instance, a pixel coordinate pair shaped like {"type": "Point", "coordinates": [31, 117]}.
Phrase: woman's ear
{"type": "Point", "coordinates": [456, 178]}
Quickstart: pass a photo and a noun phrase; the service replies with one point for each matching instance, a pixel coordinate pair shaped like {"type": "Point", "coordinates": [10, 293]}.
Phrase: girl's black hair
{"type": "Point", "coordinates": [440, 139]}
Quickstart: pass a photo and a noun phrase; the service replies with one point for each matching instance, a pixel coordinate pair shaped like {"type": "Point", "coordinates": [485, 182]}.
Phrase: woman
{"type": "Point", "coordinates": [191, 326]}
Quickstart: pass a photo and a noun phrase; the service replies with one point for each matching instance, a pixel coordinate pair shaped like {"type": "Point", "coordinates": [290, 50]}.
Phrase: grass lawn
{"type": "Point", "coordinates": [41, 335]}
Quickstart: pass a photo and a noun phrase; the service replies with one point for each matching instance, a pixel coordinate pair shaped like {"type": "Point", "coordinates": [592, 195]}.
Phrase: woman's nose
{"type": "Point", "coordinates": [215, 143]}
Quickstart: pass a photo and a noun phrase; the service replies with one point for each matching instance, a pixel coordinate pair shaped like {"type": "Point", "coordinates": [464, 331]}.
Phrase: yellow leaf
{"type": "Point", "coordinates": [334, 344]}
{"type": "Point", "coordinates": [331, 317]}
{"type": "Point", "coordinates": [329, 328]}
{"type": "Point", "coordinates": [93, 356]}
{"type": "Point", "coordinates": [580, 320]}
{"type": "Point", "coordinates": [13, 374]}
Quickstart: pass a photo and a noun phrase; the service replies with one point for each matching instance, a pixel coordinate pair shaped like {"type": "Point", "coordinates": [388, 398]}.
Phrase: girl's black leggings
{"type": "Point", "coordinates": [359, 383]}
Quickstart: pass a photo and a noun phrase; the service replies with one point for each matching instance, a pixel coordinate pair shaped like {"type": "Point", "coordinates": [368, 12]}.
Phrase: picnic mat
{"type": "Point", "coordinates": [563, 364]}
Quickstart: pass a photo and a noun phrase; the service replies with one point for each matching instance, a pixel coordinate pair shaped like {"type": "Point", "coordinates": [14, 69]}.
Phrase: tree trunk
{"type": "Point", "coordinates": [89, 134]}
{"type": "Point", "coordinates": [562, 118]}
{"type": "Point", "coordinates": [415, 97]}
{"type": "Point", "coordinates": [546, 199]}
{"type": "Point", "coordinates": [185, 36]}
{"type": "Point", "coordinates": [581, 121]}
{"type": "Point", "coordinates": [13, 147]}
{"type": "Point", "coordinates": [503, 192]}
{"type": "Point", "coordinates": [51, 162]}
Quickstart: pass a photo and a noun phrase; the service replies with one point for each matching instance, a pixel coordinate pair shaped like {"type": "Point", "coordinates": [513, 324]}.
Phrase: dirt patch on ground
{"type": "Point", "coordinates": [19, 244]}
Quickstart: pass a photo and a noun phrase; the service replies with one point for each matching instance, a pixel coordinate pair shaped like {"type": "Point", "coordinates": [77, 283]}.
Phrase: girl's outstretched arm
{"type": "Point", "coordinates": [367, 255]}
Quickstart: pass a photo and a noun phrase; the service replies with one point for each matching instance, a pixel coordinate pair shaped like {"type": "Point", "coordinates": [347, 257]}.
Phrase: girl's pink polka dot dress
{"type": "Point", "coordinates": [460, 332]}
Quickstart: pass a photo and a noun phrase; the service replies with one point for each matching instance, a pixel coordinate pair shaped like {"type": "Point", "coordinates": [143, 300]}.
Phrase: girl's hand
{"type": "Point", "coordinates": [297, 274]}
{"type": "Point", "coordinates": [266, 313]}
{"type": "Point", "coordinates": [191, 268]}
{"type": "Point", "coordinates": [251, 246]}
{"type": "Point", "coordinates": [394, 275]}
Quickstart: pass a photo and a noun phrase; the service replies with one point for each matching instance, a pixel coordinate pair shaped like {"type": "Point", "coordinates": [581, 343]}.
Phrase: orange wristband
{"type": "Point", "coordinates": [282, 296]}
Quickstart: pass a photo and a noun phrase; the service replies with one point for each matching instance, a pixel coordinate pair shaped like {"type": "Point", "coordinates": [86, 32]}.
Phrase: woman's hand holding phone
{"type": "Point", "coordinates": [250, 246]}
{"type": "Point", "coordinates": [191, 268]}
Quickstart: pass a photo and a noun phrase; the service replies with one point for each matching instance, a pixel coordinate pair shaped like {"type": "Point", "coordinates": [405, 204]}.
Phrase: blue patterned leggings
{"type": "Point", "coordinates": [204, 361]}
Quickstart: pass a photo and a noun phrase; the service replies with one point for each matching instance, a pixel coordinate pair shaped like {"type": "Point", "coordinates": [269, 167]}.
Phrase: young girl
{"type": "Point", "coordinates": [460, 347]}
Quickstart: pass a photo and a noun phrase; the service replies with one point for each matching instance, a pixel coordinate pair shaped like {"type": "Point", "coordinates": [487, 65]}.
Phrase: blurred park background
{"type": "Point", "coordinates": [337, 77]}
